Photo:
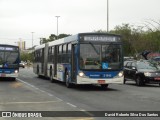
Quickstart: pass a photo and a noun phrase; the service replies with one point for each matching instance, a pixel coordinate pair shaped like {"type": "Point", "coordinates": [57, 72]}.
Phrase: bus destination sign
{"type": "Point", "coordinates": [7, 48]}
{"type": "Point", "coordinates": [101, 38]}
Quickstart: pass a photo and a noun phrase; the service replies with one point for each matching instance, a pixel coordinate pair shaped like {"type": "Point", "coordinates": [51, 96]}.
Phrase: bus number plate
{"type": "Point", "coordinates": [157, 78]}
{"type": "Point", "coordinates": [101, 81]}
{"type": "Point", "coordinates": [3, 75]}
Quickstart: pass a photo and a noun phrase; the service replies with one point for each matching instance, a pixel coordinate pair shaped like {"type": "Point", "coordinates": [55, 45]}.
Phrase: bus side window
{"type": "Point", "coordinates": [68, 53]}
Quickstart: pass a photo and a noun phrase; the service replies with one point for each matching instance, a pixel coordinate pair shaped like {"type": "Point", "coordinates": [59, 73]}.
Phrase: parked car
{"type": "Point", "coordinates": [22, 64]}
{"type": "Point", "coordinates": [142, 72]}
{"type": "Point", "coordinates": [156, 59]}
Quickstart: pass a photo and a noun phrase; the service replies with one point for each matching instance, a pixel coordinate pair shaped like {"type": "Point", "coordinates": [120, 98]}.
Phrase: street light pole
{"type": "Point", "coordinates": [57, 25]}
{"type": "Point", "coordinates": [107, 15]}
{"type": "Point", "coordinates": [32, 40]}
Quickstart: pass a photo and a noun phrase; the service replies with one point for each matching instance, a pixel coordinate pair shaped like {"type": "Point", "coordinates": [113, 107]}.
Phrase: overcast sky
{"type": "Point", "coordinates": [18, 18]}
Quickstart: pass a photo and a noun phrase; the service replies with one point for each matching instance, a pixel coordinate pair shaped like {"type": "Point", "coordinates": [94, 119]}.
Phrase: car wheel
{"type": "Point", "coordinates": [139, 81]}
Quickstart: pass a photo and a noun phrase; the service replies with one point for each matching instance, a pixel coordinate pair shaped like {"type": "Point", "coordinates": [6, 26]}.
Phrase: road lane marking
{"type": "Point", "coordinates": [39, 89]}
{"type": "Point", "coordinates": [44, 91]}
{"type": "Point", "coordinates": [50, 94]}
{"type": "Point", "coordinates": [43, 102]}
{"type": "Point", "coordinates": [71, 105]}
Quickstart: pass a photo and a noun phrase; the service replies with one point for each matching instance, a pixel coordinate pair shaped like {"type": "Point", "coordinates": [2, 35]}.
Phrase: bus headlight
{"type": "Point", "coordinates": [120, 74]}
{"type": "Point", "coordinates": [16, 71]}
{"type": "Point", "coordinates": [81, 74]}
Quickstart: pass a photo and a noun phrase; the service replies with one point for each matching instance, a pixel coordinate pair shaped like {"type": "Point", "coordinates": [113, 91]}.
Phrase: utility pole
{"type": "Point", "coordinates": [57, 25]}
{"type": "Point", "coordinates": [107, 15]}
{"type": "Point", "coordinates": [32, 41]}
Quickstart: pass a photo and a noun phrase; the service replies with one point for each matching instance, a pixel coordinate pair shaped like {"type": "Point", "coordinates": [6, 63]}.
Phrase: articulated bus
{"type": "Point", "coordinates": [9, 61]}
{"type": "Point", "coordinates": [84, 58]}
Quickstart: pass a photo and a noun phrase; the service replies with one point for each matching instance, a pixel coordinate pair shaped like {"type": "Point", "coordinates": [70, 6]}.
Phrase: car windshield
{"type": "Point", "coordinates": [147, 65]}
{"type": "Point", "coordinates": [96, 57]}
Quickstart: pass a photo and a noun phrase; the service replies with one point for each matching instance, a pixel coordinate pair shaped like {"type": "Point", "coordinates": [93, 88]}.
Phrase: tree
{"type": "Point", "coordinates": [63, 35]}
{"type": "Point", "coordinates": [125, 30]}
{"type": "Point", "coordinates": [26, 56]}
{"type": "Point", "coordinates": [53, 37]}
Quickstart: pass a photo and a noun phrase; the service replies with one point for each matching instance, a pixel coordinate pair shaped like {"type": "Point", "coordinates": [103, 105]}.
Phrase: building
{"type": "Point", "coordinates": [22, 45]}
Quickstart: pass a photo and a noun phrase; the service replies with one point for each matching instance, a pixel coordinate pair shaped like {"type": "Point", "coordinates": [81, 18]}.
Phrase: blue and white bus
{"type": "Point", "coordinates": [9, 61]}
{"type": "Point", "coordinates": [84, 58]}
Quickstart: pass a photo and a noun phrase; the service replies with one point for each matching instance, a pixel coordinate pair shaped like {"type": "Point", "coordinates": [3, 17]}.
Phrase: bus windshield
{"type": "Point", "coordinates": [9, 57]}
{"type": "Point", "coordinates": [100, 56]}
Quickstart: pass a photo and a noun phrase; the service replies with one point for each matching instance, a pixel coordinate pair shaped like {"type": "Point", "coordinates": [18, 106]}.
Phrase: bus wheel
{"type": "Point", "coordinates": [51, 77]}
{"type": "Point", "coordinates": [104, 86]}
{"type": "Point", "coordinates": [124, 81]}
{"type": "Point", "coordinates": [68, 85]}
{"type": "Point", "coordinates": [38, 71]}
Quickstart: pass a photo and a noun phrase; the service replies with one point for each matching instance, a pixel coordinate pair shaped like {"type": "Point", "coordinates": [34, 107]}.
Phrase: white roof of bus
{"type": "Point", "coordinates": [64, 40]}
{"type": "Point", "coordinates": [40, 46]}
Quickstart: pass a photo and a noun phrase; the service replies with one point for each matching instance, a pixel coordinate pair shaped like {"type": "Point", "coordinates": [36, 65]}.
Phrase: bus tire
{"type": "Point", "coordinates": [68, 85]}
{"type": "Point", "coordinates": [104, 86]}
{"type": "Point", "coordinates": [124, 81]}
{"type": "Point", "coordinates": [51, 79]}
{"type": "Point", "coordinates": [51, 76]}
{"type": "Point", "coordinates": [38, 71]}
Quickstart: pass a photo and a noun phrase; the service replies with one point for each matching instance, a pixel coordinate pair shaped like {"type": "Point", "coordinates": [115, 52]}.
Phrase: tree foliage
{"type": "Point", "coordinates": [53, 37]}
{"type": "Point", "coordinates": [26, 56]}
{"type": "Point", "coordinates": [137, 39]}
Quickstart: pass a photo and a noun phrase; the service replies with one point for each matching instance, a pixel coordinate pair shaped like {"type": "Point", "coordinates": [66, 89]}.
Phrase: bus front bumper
{"type": "Point", "coordinates": [12, 75]}
{"type": "Point", "coordinates": [116, 80]}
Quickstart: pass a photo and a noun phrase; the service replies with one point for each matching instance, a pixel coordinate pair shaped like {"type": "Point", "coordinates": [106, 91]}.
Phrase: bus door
{"type": "Point", "coordinates": [73, 63]}
{"type": "Point", "coordinates": [42, 61]}
{"type": "Point", "coordinates": [55, 62]}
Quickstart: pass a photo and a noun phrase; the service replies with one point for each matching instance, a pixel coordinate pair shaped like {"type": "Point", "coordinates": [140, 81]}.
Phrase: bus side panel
{"type": "Point", "coordinates": [61, 69]}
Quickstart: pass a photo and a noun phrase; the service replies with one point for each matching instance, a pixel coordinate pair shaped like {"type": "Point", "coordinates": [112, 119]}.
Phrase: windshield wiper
{"type": "Point", "coordinates": [7, 56]}
{"type": "Point", "coordinates": [94, 48]}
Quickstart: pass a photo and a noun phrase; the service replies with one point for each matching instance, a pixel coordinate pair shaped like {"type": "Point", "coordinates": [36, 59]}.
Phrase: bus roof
{"type": "Point", "coordinates": [75, 38]}
{"type": "Point", "coordinates": [40, 46]}
{"type": "Point", "coordinates": [64, 40]}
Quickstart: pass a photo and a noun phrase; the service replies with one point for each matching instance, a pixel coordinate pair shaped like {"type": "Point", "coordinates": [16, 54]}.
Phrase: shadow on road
{"type": "Point", "coordinates": [146, 85]}
{"type": "Point", "coordinates": [7, 80]}
{"type": "Point", "coordinates": [80, 87]}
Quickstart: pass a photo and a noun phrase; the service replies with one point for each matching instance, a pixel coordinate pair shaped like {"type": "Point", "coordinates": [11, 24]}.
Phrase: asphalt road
{"type": "Point", "coordinates": [30, 93]}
